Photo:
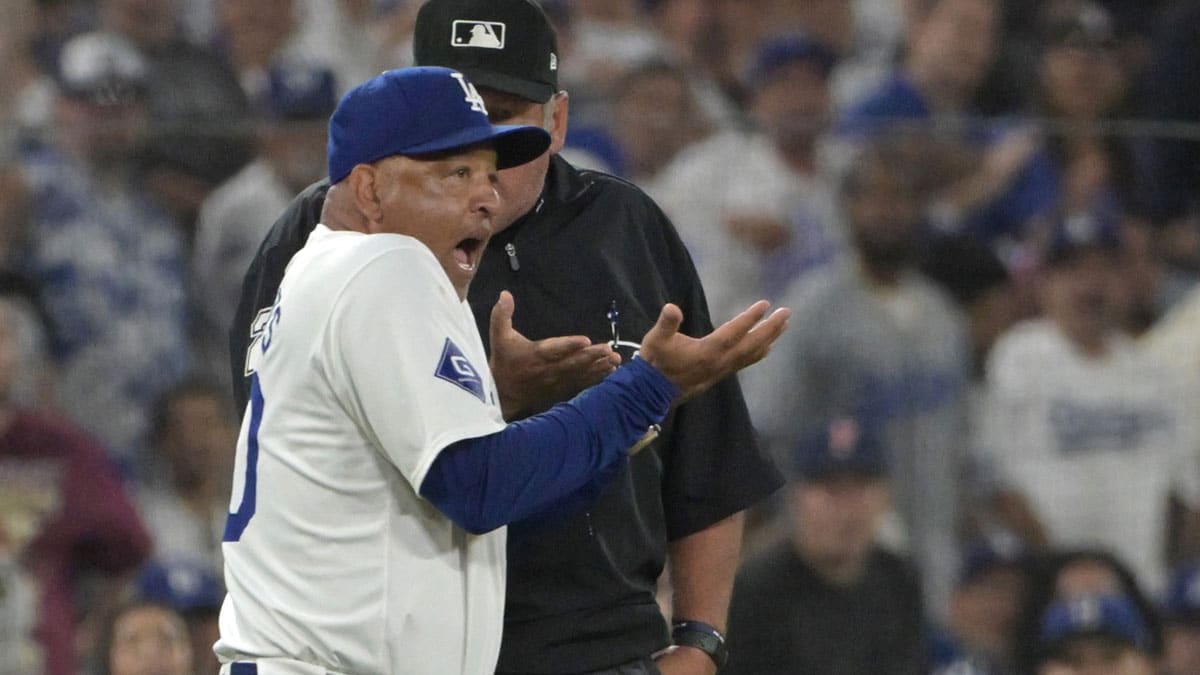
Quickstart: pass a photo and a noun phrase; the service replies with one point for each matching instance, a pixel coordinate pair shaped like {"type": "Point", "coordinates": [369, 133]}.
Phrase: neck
{"type": "Point", "coordinates": [339, 212]}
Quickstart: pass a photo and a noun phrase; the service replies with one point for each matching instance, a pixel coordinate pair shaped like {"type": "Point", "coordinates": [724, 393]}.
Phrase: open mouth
{"type": "Point", "coordinates": [466, 253]}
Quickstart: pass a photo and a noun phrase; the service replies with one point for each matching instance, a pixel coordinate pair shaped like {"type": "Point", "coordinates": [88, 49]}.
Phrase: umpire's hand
{"type": "Point", "coordinates": [695, 364]}
{"type": "Point", "coordinates": [533, 376]}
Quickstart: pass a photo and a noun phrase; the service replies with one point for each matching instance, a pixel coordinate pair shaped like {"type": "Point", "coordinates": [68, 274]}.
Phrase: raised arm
{"type": "Point", "coordinates": [485, 482]}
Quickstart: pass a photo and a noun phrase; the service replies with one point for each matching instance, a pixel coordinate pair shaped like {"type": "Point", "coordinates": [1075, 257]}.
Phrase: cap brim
{"type": "Point", "coordinates": [538, 92]}
{"type": "Point", "coordinates": [514, 144]}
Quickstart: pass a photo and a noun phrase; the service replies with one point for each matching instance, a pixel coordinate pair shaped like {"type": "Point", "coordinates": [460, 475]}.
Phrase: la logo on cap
{"type": "Point", "coordinates": [470, 33]}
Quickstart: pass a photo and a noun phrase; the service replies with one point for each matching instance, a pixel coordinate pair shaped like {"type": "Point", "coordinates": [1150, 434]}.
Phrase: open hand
{"type": "Point", "coordinates": [532, 376]}
{"type": "Point", "coordinates": [695, 364]}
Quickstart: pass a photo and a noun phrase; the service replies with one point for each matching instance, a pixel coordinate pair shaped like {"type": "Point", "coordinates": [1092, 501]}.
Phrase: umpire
{"type": "Point", "coordinates": [585, 254]}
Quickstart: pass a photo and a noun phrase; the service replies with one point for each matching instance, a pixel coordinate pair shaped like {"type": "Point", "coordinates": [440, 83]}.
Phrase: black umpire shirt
{"type": "Point", "coordinates": [595, 251]}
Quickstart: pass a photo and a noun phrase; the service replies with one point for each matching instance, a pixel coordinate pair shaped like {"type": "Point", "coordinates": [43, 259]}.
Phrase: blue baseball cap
{"type": "Point", "coordinates": [998, 550]}
{"type": "Point", "coordinates": [1182, 601]}
{"type": "Point", "coordinates": [183, 585]}
{"type": "Point", "coordinates": [843, 446]}
{"type": "Point", "coordinates": [1112, 616]}
{"type": "Point", "coordinates": [299, 92]}
{"type": "Point", "coordinates": [783, 50]}
{"type": "Point", "coordinates": [420, 111]}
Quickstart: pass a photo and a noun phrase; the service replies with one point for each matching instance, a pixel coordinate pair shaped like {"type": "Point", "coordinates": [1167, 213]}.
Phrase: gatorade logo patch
{"type": "Point", "coordinates": [486, 34]}
{"type": "Point", "coordinates": [454, 368]}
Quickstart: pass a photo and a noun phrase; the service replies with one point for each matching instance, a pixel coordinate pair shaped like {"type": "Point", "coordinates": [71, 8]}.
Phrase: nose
{"type": "Point", "coordinates": [487, 198]}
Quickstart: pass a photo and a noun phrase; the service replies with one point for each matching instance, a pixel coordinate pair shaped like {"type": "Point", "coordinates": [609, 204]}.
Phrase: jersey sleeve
{"type": "Point", "coordinates": [405, 362]}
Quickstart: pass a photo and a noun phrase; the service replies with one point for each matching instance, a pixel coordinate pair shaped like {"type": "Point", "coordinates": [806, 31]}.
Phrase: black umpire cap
{"type": "Point", "coordinates": [506, 45]}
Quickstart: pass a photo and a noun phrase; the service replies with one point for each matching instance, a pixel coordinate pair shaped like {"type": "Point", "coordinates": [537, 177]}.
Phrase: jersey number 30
{"type": "Point", "coordinates": [239, 518]}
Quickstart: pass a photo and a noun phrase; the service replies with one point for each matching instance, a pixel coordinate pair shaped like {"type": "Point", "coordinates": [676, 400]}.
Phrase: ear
{"type": "Point", "coordinates": [558, 121]}
{"type": "Point", "coordinates": [362, 182]}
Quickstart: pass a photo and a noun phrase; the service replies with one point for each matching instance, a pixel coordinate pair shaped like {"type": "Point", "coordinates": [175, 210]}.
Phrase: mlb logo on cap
{"type": "Point", "coordinates": [505, 45]}
{"type": "Point", "coordinates": [487, 34]}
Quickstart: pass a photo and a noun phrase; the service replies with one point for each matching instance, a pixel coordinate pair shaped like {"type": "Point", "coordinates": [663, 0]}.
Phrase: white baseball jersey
{"type": "Point", "coordinates": [366, 367]}
{"type": "Point", "coordinates": [1096, 445]}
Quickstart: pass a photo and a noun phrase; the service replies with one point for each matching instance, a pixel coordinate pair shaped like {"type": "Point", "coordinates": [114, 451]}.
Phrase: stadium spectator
{"type": "Point", "coordinates": [356, 39]}
{"type": "Point", "coordinates": [145, 638]}
{"type": "Point", "coordinates": [1083, 83]}
{"type": "Point", "coordinates": [1094, 635]}
{"type": "Point", "coordinates": [608, 38]}
{"type": "Point", "coordinates": [193, 591]}
{"type": "Point", "coordinates": [980, 174]}
{"type": "Point", "coordinates": [655, 115]}
{"type": "Point", "coordinates": [755, 206]}
{"type": "Point", "coordinates": [254, 37]}
{"type": "Point", "coordinates": [949, 48]}
{"type": "Point", "coordinates": [184, 503]}
{"type": "Point", "coordinates": [108, 257]}
{"type": "Point", "coordinates": [1079, 166]}
{"type": "Point", "coordinates": [1076, 414]}
{"type": "Point", "coordinates": [691, 38]}
{"type": "Point", "coordinates": [1068, 574]}
{"type": "Point", "coordinates": [68, 533]}
{"type": "Point", "coordinates": [292, 115]}
{"type": "Point", "coordinates": [744, 26]}
{"type": "Point", "coordinates": [197, 114]}
{"type": "Point", "coordinates": [829, 599]}
{"type": "Point", "coordinates": [988, 602]}
{"type": "Point", "coordinates": [882, 341]}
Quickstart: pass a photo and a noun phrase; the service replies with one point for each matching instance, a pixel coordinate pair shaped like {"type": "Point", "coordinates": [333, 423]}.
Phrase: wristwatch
{"type": "Point", "coordinates": [703, 637]}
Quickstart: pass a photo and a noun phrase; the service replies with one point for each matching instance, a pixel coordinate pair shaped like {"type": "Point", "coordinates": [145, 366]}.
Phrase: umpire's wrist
{"type": "Point", "coordinates": [700, 636]}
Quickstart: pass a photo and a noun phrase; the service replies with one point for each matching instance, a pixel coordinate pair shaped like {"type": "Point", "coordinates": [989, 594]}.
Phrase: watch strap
{"type": "Point", "coordinates": [702, 636]}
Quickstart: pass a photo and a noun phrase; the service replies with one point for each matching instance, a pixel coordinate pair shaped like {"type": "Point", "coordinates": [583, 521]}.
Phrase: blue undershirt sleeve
{"type": "Point", "coordinates": [486, 482]}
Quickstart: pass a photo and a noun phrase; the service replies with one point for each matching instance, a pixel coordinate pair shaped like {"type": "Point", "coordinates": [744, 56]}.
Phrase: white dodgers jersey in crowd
{"type": "Point", "coordinates": [366, 367]}
{"type": "Point", "coordinates": [1095, 444]}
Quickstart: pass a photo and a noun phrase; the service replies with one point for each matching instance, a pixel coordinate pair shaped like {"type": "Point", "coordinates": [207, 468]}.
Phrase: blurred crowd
{"type": "Point", "coordinates": [984, 214]}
